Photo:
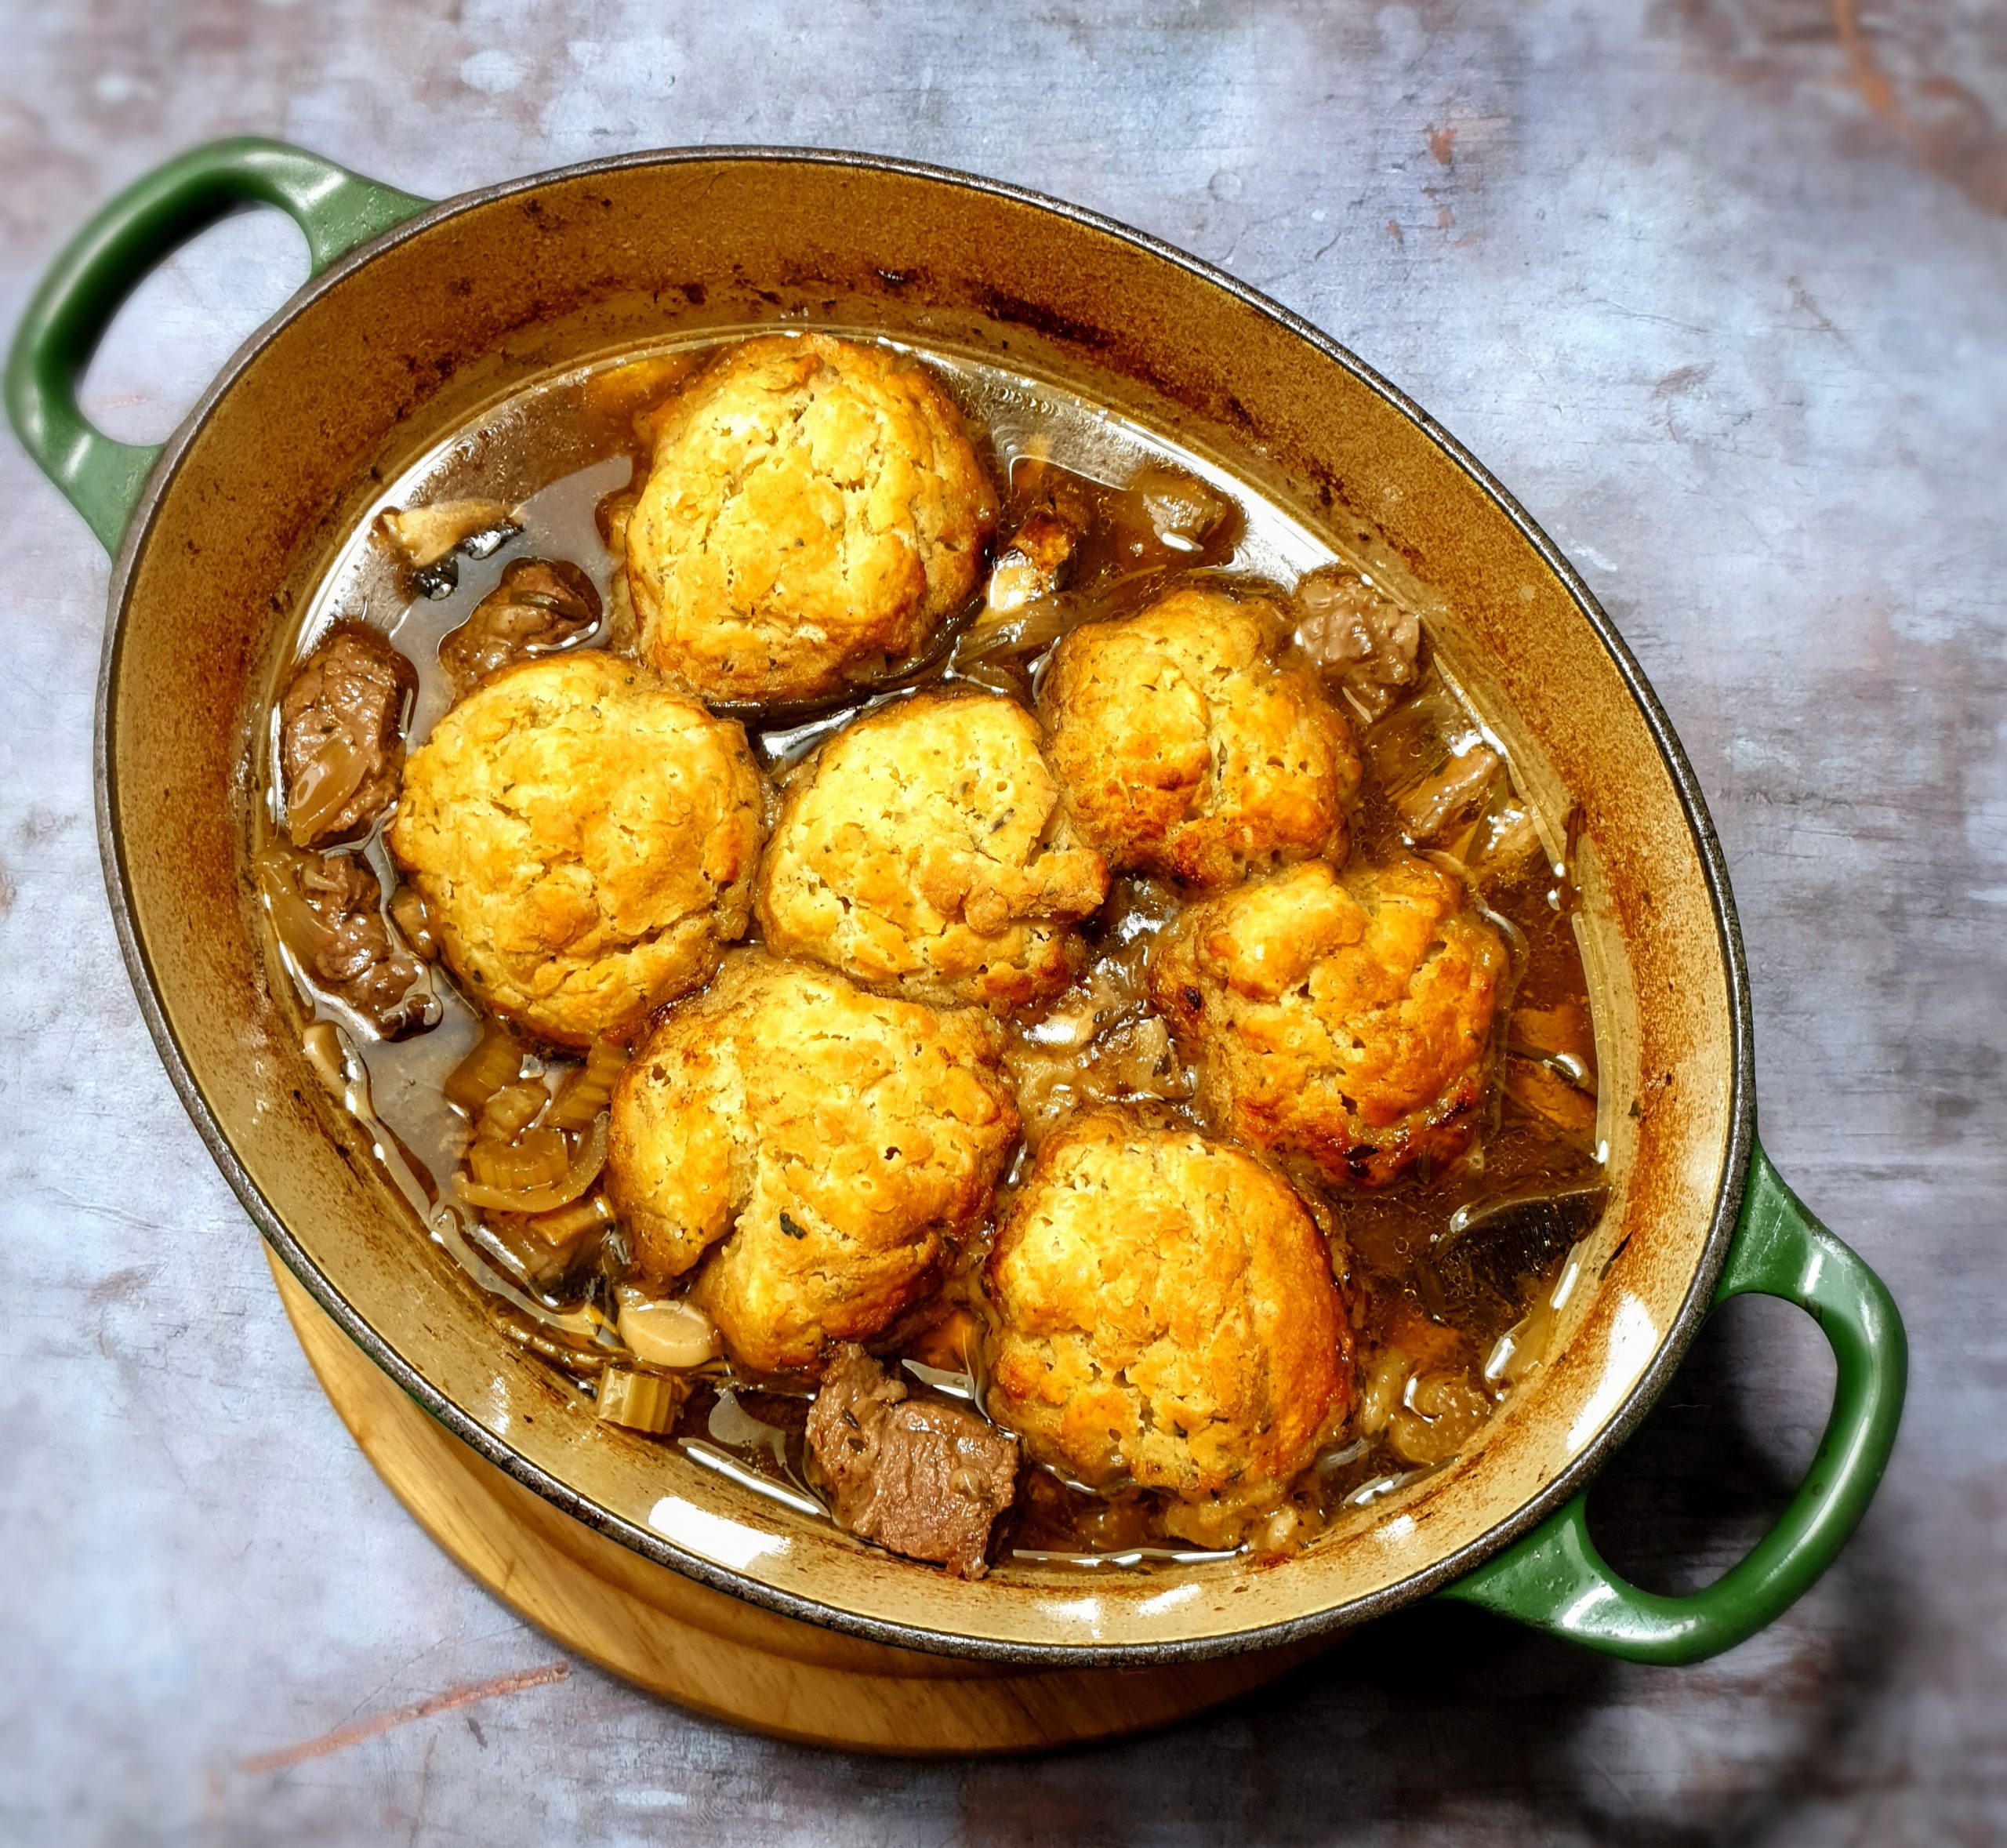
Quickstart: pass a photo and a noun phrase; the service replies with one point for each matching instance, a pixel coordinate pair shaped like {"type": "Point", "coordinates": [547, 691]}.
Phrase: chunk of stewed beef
{"type": "Point", "coordinates": [540, 604]}
{"type": "Point", "coordinates": [341, 743]}
{"type": "Point", "coordinates": [920, 1477]}
{"type": "Point", "coordinates": [1362, 639]}
{"type": "Point", "coordinates": [328, 911]}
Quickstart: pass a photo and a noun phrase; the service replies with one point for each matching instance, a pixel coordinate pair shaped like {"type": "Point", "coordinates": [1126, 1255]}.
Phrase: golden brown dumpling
{"type": "Point", "coordinates": [813, 509]}
{"type": "Point", "coordinates": [826, 1147]}
{"type": "Point", "coordinates": [584, 839]}
{"type": "Point", "coordinates": [1344, 1017]}
{"type": "Point", "coordinates": [1187, 747]}
{"type": "Point", "coordinates": [914, 853]}
{"type": "Point", "coordinates": [1166, 1315]}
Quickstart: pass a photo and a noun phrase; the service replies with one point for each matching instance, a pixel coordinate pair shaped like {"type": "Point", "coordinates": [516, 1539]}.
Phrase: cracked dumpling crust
{"type": "Point", "coordinates": [813, 509]}
{"type": "Point", "coordinates": [912, 853]}
{"type": "Point", "coordinates": [1166, 1313]}
{"type": "Point", "coordinates": [1186, 748]}
{"type": "Point", "coordinates": [833, 1145]}
{"type": "Point", "coordinates": [585, 840]}
{"type": "Point", "coordinates": [1346, 1018]}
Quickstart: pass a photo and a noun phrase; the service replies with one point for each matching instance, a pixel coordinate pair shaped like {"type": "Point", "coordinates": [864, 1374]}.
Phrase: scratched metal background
{"type": "Point", "coordinates": [1717, 287]}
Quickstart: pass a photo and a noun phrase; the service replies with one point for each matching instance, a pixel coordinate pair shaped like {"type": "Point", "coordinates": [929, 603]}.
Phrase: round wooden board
{"type": "Point", "coordinates": [714, 1652]}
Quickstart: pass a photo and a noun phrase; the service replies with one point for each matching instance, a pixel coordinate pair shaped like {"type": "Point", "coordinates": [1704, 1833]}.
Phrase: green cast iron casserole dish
{"type": "Point", "coordinates": [417, 316]}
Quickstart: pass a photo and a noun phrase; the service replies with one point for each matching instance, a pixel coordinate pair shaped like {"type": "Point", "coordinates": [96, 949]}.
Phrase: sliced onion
{"type": "Point", "coordinates": [585, 1170]}
{"type": "Point", "coordinates": [1036, 622]}
{"type": "Point", "coordinates": [300, 928]}
{"type": "Point", "coordinates": [326, 780]}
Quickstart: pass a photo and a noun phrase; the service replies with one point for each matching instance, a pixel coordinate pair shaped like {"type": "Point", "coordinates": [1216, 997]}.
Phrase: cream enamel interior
{"type": "Point", "coordinates": [372, 367]}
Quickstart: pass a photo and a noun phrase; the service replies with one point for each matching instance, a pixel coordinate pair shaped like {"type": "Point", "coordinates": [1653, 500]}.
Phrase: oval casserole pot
{"type": "Point", "coordinates": [420, 316]}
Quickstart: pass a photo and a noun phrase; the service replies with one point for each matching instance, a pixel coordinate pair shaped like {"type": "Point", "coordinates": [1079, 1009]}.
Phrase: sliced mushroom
{"type": "Point", "coordinates": [1450, 794]}
{"type": "Point", "coordinates": [1032, 564]}
{"type": "Point", "coordinates": [666, 1331]}
{"type": "Point", "coordinates": [430, 539]}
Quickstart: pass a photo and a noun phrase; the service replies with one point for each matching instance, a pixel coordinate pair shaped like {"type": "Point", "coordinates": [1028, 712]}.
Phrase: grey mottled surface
{"type": "Point", "coordinates": [1716, 286]}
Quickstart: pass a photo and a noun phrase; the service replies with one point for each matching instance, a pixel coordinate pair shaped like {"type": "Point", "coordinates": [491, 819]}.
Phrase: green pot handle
{"type": "Point", "coordinates": [105, 262]}
{"type": "Point", "coordinates": [1556, 1580]}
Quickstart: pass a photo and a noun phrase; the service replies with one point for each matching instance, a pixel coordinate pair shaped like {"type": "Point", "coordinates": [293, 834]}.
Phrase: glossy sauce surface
{"type": "Point", "coordinates": [1452, 1296]}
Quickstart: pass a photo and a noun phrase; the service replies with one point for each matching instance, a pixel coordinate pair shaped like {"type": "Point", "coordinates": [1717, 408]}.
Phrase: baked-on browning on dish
{"type": "Point", "coordinates": [915, 851]}
{"type": "Point", "coordinates": [1166, 1315]}
{"type": "Point", "coordinates": [1345, 1017]}
{"type": "Point", "coordinates": [834, 1144]}
{"type": "Point", "coordinates": [1186, 747]}
{"type": "Point", "coordinates": [813, 509]}
{"type": "Point", "coordinates": [584, 839]}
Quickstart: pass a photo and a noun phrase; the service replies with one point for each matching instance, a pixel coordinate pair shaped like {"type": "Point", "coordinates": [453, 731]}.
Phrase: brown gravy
{"type": "Point", "coordinates": [1449, 1315]}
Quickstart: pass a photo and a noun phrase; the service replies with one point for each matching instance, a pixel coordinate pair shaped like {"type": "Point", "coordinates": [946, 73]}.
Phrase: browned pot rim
{"type": "Point", "coordinates": [1553, 1494]}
